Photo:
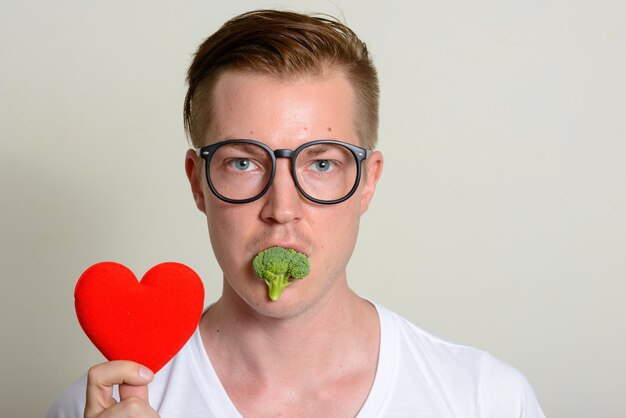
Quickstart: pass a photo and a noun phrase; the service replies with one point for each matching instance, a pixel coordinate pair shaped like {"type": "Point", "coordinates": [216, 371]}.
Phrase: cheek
{"type": "Point", "coordinates": [228, 223]}
{"type": "Point", "coordinates": [228, 228]}
{"type": "Point", "coordinates": [336, 231]}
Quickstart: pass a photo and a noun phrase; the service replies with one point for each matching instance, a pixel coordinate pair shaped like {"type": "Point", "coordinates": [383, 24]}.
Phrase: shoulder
{"type": "Point", "coordinates": [504, 391]}
{"type": "Point", "coordinates": [486, 384]}
{"type": "Point", "coordinates": [413, 342]}
{"type": "Point", "coordinates": [71, 402]}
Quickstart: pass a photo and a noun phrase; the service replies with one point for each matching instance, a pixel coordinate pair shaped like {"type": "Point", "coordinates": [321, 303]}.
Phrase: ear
{"type": "Point", "coordinates": [372, 173]}
{"type": "Point", "coordinates": [194, 169]}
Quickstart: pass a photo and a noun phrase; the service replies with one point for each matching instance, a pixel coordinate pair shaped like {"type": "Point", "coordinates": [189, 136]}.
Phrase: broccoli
{"type": "Point", "coordinates": [276, 265]}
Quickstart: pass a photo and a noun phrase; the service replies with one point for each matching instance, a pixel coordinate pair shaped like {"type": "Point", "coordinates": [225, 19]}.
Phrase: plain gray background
{"type": "Point", "coordinates": [499, 221]}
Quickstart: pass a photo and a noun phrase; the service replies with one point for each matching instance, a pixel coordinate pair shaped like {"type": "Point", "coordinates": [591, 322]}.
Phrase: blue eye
{"type": "Point", "coordinates": [322, 165]}
{"type": "Point", "coordinates": [242, 164]}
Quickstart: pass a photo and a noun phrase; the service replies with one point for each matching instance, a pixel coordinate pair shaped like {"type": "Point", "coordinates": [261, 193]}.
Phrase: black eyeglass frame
{"type": "Point", "coordinates": [359, 154]}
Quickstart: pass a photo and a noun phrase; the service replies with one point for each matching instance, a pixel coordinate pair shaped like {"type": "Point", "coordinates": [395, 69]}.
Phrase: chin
{"type": "Point", "coordinates": [290, 304]}
{"type": "Point", "coordinates": [302, 296]}
{"type": "Point", "coordinates": [294, 301]}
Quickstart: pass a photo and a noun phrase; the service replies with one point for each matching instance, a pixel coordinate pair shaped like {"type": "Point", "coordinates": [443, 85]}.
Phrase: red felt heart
{"type": "Point", "coordinates": [148, 321]}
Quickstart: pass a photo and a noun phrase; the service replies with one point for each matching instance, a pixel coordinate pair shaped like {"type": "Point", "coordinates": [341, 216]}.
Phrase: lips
{"type": "Point", "coordinates": [281, 237]}
{"type": "Point", "coordinates": [294, 246]}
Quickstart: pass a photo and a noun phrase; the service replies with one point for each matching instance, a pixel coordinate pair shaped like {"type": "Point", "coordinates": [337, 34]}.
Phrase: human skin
{"type": "Point", "coordinates": [282, 114]}
{"type": "Point", "coordinates": [313, 352]}
{"type": "Point", "coordinates": [319, 335]}
{"type": "Point", "coordinates": [133, 380]}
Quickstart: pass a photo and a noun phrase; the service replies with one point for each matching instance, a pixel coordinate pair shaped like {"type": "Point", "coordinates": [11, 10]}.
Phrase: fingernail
{"type": "Point", "coordinates": [145, 374]}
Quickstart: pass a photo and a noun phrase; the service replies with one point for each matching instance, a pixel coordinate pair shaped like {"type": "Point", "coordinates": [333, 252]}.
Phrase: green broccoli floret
{"type": "Point", "coordinates": [276, 265]}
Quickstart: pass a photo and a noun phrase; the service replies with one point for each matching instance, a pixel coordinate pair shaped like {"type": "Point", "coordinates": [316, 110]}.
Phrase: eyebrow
{"type": "Point", "coordinates": [248, 148]}
{"type": "Point", "coordinates": [320, 149]}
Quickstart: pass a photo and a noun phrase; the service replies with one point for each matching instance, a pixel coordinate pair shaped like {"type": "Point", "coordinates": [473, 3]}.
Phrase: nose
{"type": "Point", "coordinates": [283, 202]}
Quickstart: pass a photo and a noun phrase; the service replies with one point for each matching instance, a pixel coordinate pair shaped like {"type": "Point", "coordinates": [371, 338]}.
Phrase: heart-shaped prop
{"type": "Point", "coordinates": [147, 322]}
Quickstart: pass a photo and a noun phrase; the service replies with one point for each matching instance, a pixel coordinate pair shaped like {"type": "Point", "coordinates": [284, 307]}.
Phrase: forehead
{"type": "Point", "coordinates": [273, 110]}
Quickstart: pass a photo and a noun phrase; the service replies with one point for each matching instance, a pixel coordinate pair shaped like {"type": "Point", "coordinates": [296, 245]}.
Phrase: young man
{"type": "Point", "coordinates": [283, 112]}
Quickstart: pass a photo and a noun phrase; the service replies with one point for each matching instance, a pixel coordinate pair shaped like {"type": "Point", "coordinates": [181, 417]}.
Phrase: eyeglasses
{"type": "Point", "coordinates": [242, 170]}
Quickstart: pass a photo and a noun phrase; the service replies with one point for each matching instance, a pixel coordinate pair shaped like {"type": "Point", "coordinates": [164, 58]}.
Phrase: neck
{"type": "Point", "coordinates": [338, 332]}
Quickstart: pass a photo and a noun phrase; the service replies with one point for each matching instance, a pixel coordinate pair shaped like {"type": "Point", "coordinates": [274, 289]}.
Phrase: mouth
{"type": "Point", "coordinates": [291, 238]}
{"type": "Point", "coordinates": [296, 246]}
{"type": "Point", "coordinates": [292, 246]}
{"type": "Point", "coordinates": [277, 266]}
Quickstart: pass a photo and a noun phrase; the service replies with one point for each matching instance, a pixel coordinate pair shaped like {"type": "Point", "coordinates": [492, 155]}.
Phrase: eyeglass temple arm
{"type": "Point", "coordinates": [368, 153]}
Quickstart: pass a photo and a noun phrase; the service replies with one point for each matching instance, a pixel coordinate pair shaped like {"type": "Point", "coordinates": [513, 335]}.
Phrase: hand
{"type": "Point", "coordinates": [133, 379]}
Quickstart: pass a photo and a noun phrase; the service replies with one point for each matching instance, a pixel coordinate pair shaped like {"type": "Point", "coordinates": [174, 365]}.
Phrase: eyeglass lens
{"type": "Point", "coordinates": [241, 171]}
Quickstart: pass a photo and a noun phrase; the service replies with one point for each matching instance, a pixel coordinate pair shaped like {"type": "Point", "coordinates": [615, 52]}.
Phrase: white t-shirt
{"type": "Point", "coordinates": [418, 375]}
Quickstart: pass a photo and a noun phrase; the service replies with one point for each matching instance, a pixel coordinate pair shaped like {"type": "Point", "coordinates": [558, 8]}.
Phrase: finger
{"type": "Point", "coordinates": [127, 391]}
{"type": "Point", "coordinates": [102, 377]}
{"type": "Point", "coordinates": [130, 408]}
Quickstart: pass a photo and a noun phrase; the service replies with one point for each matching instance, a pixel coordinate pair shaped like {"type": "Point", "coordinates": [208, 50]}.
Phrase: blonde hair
{"type": "Point", "coordinates": [282, 44]}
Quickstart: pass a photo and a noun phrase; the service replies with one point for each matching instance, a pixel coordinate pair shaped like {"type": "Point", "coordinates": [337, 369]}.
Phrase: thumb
{"type": "Point", "coordinates": [126, 391]}
{"type": "Point", "coordinates": [131, 388]}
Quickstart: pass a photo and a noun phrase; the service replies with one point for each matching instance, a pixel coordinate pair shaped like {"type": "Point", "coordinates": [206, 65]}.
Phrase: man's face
{"type": "Point", "coordinates": [283, 114]}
